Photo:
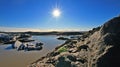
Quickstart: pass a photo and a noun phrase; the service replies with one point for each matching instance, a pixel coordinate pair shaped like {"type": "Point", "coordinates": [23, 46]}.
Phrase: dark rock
{"type": "Point", "coordinates": [68, 41]}
{"type": "Point", "coordinates": [70, 46]}
{"type": "Point", "coordinates": [52, 61]}
{"type": "Point", "coordinates": [63, 63]}
{"type": "Point", "coordinates": [54, 53]}
{"type": "Point", "coordinates": [85, 47]}
{"type": "Point", "coordinates": [112, 57]}
{"type": "Point", "coordinates": [112, 26]}
{"type": "Point", "coordinates": [71, 57]}
{"type": "Point", "coordinates": [74, 42]}
{"type": "Point", "coordinates": [62, 38]}
{"type": "Point", "coordinates": [81, 60]}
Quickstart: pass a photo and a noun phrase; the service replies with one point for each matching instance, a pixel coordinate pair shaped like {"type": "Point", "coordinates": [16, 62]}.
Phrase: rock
{"type": "Point", "coordinates": [68, 41]}
{"type": "Point", "coordinates": [103, 44]}
{"type": "Point", "coordinates": [112, 26]}
{"type": "Point", "coordinates": [62, 38]}
{"type": "Point", "coordinates": [74, 42]}
{"type": "Point", "coordinates": [112, 57]}
{"type": "Point", "coordinates": [63, 63]}
{"type": "Point", "coordinates": [50, 60]}
{"type": "Point", "coordinates": [53, 53]}
{"type": "Point", "coordinates": [85, 47]}
{"type": "Point", "coordinates": [81, 60]}
{"type": "Point", "coordinates": [70, 46]}
{"type": "Point", "coordinates": [72, 58]}
{"type": "Point", "coordinates": [76, 63]}
{"type": "Point", "coordinates": [72, 50]}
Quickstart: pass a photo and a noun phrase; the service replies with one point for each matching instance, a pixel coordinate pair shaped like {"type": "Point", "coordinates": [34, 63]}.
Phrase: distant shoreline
{"type": "Point", "coordinates": [47, 33]}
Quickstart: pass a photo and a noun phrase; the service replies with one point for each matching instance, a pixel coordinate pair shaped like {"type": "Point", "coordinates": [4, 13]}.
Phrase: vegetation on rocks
{"type": "Point", "coordinates": [62, 49]}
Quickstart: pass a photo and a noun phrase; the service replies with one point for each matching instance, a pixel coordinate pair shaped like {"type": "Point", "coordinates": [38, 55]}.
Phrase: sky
{"type": "Point", "coordinates": [76, 15]}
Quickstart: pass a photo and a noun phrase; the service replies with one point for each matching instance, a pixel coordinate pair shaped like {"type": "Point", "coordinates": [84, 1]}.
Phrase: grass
{"type": "Point", "coordinates": [62, 49]}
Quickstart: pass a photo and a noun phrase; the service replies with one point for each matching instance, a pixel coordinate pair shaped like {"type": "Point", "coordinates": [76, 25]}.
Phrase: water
{"type": "Point", "coordinates": [12, 58]}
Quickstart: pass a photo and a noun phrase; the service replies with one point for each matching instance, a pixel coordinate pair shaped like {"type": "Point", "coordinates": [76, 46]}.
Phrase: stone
{"type": "Point", "coordinates": [72, 58]}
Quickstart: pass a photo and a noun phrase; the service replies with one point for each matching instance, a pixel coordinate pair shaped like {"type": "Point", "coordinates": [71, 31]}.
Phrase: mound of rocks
{"type": "Point", "coordinates": [97, 48]}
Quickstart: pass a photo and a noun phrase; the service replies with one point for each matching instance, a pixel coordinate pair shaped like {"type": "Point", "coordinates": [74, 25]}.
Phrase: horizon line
{"type": "Point", "coordinates": [14, 29]}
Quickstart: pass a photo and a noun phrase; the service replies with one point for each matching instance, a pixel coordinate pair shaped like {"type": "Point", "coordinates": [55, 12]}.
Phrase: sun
{"type": "Point", "coordinates": [56, 13]}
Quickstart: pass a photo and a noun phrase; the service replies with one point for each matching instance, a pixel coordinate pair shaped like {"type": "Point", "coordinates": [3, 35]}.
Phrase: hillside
{"type": "Point", "coordinates": [97, 48]}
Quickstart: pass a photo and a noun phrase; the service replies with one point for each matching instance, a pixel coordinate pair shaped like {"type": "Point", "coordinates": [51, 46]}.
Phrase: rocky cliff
{"type": "Point", "coordinates": [97, 48]}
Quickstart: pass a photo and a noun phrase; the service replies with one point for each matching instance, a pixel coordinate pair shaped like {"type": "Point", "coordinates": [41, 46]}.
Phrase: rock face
{"type": "Point", "coordinates": [112, 57]}
{"type": "Point", "coordinates": [96, 48]}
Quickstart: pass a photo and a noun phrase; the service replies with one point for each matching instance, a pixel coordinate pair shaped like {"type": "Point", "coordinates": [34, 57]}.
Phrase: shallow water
{"type": "Point", "coordinates": [12, 58]}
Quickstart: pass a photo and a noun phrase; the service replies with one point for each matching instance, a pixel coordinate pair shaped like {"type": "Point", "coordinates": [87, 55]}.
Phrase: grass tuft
{"type": "Point", "coordinates": [62, 49]}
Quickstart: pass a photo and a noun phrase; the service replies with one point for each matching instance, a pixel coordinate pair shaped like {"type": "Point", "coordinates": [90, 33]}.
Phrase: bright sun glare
{"type": "Point", "coordinates": [56, 13]}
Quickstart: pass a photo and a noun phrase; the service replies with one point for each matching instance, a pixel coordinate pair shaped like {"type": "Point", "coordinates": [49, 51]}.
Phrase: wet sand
{"type": "Point", "coordinates": [14, 58]}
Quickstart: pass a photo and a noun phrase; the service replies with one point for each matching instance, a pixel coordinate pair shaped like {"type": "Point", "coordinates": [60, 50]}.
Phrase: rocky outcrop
{"type": "Point", "coordinates": [112, 32]}
{"type": "Point", "coordinates": [97, 48]}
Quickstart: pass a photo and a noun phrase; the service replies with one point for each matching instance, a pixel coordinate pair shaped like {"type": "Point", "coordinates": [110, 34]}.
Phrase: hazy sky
{"type": "Point", "coordinates": [75, 14]}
